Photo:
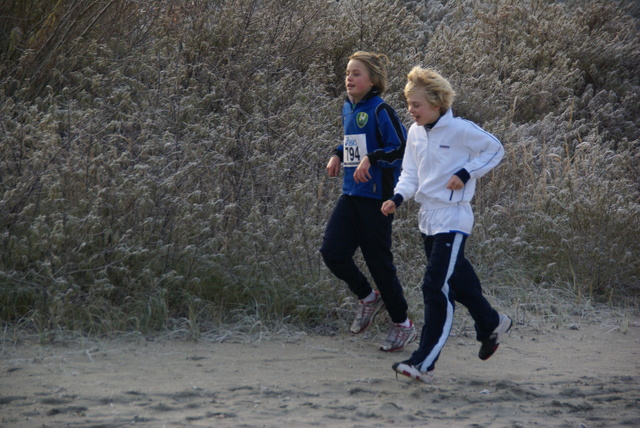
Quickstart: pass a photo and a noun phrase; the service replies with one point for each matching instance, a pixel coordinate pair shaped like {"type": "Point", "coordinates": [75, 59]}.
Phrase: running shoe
{"type": "Point", "coordinates": [490, 345]}
{"type": "Point", "coordinates": [405, 368]}
{"type": "Point", "coordinates": [365, 314]}
{"type": "Point", "coordinates": [399, 337]}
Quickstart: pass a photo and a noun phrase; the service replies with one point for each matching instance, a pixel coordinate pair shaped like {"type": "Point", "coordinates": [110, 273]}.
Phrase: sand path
{"type": "Point", "coordinates": [586, 374]}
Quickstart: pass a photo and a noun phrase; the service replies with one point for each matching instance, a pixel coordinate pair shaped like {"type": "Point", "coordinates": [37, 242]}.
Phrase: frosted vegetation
{"type": "Point", "coordinates": [162, 162]}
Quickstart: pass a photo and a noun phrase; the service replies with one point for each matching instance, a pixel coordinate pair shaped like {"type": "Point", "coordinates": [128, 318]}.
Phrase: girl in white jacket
{"type": "Point", "coordinates": [444, 157]}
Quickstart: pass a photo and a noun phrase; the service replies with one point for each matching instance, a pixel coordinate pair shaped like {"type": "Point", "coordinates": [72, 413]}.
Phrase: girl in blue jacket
{"type": "Point", "coordinates": [445, 155]}
{"type": "Point", "coordinates": [371, 153]}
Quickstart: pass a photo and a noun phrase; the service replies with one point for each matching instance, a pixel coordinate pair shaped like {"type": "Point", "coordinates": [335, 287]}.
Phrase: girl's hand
{"type": "Point", "coordinates": [333, 167]}
{"type": "Point", "coordinates": [361, 175]}
{"type": "Point", "coordinates": [388, 207]}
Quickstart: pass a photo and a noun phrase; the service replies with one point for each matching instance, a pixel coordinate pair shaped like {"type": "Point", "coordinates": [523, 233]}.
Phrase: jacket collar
{"type": "Point", "coordinates": [374, 92]}
{"type": "Point", "coordinates": [442, 120]}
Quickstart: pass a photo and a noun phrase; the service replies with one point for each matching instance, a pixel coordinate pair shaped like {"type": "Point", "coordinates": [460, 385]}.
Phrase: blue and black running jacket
{"type": "Point", "coordinates": [371, 128]}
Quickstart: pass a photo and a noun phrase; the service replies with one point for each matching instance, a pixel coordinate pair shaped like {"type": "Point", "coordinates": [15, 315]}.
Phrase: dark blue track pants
{"type": "Point", "coordinates": [358, 222]}
{"type": "Point", "coordinates": [449, 278]}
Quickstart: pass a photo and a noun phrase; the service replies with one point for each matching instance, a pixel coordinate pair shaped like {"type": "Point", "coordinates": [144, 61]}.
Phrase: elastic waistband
{"type": "Point", "coordinates": [435, 204]}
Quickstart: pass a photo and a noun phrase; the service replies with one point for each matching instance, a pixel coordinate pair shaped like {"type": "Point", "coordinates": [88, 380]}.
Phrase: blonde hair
{"type": "Point", "coordinates": [435, 88]}
{"type": "Point", "coordinates": [376, 65]}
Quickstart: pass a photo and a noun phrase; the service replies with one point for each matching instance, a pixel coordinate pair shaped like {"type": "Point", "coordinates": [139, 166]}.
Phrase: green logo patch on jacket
{"type": "Point", "coordinates": [361, 119]}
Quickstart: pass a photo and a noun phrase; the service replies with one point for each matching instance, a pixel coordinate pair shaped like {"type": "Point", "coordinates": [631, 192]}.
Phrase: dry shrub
{"type": "Point", "coordinates": [170, 165]}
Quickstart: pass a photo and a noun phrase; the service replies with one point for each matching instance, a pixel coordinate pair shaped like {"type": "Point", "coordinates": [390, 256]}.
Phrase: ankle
{"type": "Point", "coordinates": [406, 324]}
{"type": "Point", "coordinates": [372, 297]}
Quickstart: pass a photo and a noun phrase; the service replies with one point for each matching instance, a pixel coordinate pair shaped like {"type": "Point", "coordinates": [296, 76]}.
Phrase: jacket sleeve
{"type": "Point", "coordinates": [409, 181]}
{"type": "Point", "coordinates": [488, 149]}
{"type": "Point", "coordinates": [392, 138]}
{"type": "Point", "coordinates": [339, 151]}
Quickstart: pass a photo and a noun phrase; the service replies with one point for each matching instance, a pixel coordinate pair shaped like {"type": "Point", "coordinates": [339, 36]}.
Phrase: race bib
{"type": "Point", "coordinates": [355, 148]}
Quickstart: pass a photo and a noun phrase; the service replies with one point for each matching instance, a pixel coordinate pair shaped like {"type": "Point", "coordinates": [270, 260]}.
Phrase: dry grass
{"type": "Point", "coordinates": [166, 172]}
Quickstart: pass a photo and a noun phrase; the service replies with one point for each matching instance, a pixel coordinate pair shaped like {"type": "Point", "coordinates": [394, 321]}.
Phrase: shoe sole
{"type": "Point", "coordinates": [420, 376]}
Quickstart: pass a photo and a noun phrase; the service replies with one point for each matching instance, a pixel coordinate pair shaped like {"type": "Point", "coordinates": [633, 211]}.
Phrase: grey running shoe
{"type": "Point", "coordinates": [365, 314]}
{"type": "Point", "coordinates": [407, 369]}
{"type": "Point", "coordinates": [490, 345]}
{"type": "Point", "coordinates": [399, 337]}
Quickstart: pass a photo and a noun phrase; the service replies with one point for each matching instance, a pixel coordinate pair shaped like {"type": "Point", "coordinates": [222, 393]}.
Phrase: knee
{"type": "Point", "coordinates": [330, 256]}
{"type": "Point", "coordinates": [433, 282]}
{"type": "Point", "coordinates": [434, 292]}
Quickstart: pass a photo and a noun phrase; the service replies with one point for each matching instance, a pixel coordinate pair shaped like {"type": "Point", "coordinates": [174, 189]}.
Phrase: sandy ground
{"type": "Point", "coordinates": [586, 374]}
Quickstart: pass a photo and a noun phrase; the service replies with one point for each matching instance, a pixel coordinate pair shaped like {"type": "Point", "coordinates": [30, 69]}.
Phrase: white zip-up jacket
{"type": "Point", "coordinates": [432, 157]}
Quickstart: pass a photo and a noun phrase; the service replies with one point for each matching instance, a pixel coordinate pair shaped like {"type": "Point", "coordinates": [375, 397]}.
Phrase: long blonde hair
{"type": "Point", "coordinates": [376, 65]}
